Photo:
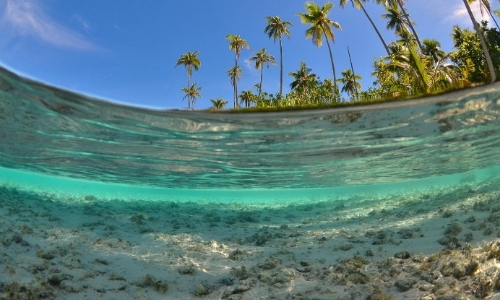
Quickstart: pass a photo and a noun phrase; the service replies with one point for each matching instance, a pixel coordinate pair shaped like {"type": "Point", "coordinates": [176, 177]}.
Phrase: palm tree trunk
{"type": "Point", "coordinates": [281, 68]}
{"type": "Point", "coordinates": [485, 4]}
{"type": "Point", "coordinates": [189, 97]}
{"type": "Point", "coordinates": [234, 96]}
{"type": "Point", "coordinates": [235, 81]}
{"type": "Point", "coordinates": [489, 62]}
{"type": "Point", "coordinates": [374, 27]}
{"type": "Point", "coordinates": [261, 75]}
{"type": "Point", "coordinates": [353, 74]}
{"type": "Point", "coordinates": [409, 23]}
{"type": "Point", "coordinates": [333, 65]}
{"type": "Point", "coordinates": [493, 18]}
{"type": "Point", "coordinates": [236, 105]}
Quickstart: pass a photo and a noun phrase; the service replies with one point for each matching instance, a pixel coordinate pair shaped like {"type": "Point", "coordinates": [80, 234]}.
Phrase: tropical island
{"type": "Point", "coordinates": [410, 68]}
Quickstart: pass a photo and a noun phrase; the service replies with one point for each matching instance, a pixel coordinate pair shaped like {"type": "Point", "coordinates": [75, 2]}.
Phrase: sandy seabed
{"type": "Point", "coordinates": [431, 245]}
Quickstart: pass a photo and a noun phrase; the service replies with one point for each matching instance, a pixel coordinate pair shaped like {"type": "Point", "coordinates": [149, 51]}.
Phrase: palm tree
{"type": "Point", "coordinates": [236, 44]}
{"type": "Point", "coordinates": [247, 97]}
{"type": "Point", "coordinates": [350, 82]}
{"type": "Point", "coordinates": [234, 74]}
{"type": "Point", "coordinates": [262, 58]}
{"type": "Point", "coordinates": [275, 29]}
{"type": "Point", "coordinates": [304, 80]}
{"type": "Point", "coordinates": [359, 5]}
{"type": "Point", "coordinates": [189, 60]}
{"type": "Point", "coordinates": [400, 3]}
{"type": "Point", "coordinates": [411, 69]}
{"type": "Point", "coordinates": [431, 48]}
{"type": "Point", "coordinates": [483, 43]}
{"type": "Point", "coordinates": [396, 21]}
{"type": "Point", "coordinates": [192, 92]}
{"type": "Point", "coordinates": [321, 26]}
{"type": "Point", "coordinates": [218, 103]}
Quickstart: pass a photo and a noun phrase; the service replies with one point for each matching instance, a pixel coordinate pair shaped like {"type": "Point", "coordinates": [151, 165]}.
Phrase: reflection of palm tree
{"type": "Point", "coordinates": [483, 43]}
{"type": "Point", "coordinates": [190, 60]}
{"type": "Point", "coordinates": [192, 93]}
{"type": "Point", "coordinates": [304, 80]}
{"type": "Point", "coordinates": [262, 58]}
{"type": "Point", "coordinates": [234, 74]}
{"type": "Point", "coordinates": [359, 5]}
{"type": "Point", "coordinates": [236, 44]}
{"type": "Point", "coordinates": [218, 103]}
{"type": "Point", "coordinates": [276, 28]}
{"type": "Point", "coordinates": [350, 82]}
{"type": "Point", "coordinates": [321, 26]}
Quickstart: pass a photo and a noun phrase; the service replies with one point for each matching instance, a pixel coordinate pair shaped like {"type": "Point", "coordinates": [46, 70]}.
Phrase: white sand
{"type": "Point", "coordinates": [56, 248]}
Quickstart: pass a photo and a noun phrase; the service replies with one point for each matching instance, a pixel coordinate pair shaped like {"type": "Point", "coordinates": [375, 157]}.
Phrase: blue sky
{"type": "Point", "coordinates": [125, 51]}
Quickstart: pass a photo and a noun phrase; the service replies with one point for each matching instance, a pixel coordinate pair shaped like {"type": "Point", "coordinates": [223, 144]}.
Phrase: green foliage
{"type": "Point", "coordinates": [408, 72]}
{"type": "Point", "coordinates": [469, 56]}
{"type": "Point", "coordinates": [236, 44]}
{"type": "Point", "coordinates": [276, 28]}
{"type": "Point", "coordinates": [396, 20]}
{"type": "Point", "coordinates": [247, 97]}
{"type": "Point", "coordinates": [304, 80]}
{"type": "Point", "coordinates": [321, 25]}
{"type": "Point", "coordinates": [432, 48]}
{"type": "Point", "coordinates": [192, 92]}
{"type": "Point", "coordinates": [218, 103]}
{"type": "Point", "coordinates": [189, 60]}
{"type": "Point", "coordinates": [350, 82]}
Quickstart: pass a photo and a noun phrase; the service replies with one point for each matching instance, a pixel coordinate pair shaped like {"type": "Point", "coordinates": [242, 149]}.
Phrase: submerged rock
{"type": "Point", "coordinates": [203, 289]}
{"type": "Point", "coordinates": [270, 263]}
{"type": "Point", "coordinates": [405, 284]}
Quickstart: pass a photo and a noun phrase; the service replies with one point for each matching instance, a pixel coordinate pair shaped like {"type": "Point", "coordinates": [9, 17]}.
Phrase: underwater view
{"type": "Point", "coordinates": [99, 200]}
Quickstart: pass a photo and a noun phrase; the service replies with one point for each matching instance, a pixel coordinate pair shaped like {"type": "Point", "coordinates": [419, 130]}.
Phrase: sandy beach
{"type": "Point", "coordinates": [431, 245]}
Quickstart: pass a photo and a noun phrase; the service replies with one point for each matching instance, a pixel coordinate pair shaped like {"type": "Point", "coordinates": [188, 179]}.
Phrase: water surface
{"type": "Point", "coordinates": [66, 142]}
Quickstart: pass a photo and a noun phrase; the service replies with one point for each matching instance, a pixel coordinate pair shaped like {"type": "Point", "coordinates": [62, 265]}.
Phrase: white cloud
{"type": "Point", "coordinates": [120, 29]}
{"type": "Point", "coordinates": [250, 66]}
{"type": "Point", "coordinates": [460, 16]}
{"type": "Point", "coordinates": [84, 23]}
{"type": "Point", "coordinates": [28, 18]}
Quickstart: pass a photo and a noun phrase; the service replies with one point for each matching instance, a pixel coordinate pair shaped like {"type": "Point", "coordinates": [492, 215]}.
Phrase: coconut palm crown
{"type": "Point", "coordinates": [321, 26]}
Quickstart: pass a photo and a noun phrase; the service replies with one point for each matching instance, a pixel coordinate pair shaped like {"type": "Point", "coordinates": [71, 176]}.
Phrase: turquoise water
{"type": "Point", "coordinates": [56, 141]}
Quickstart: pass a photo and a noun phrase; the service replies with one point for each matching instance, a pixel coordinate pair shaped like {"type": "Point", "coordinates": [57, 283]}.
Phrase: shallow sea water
{"type": "Point", "coordinates": [57, 140]}
{"type": "Point", "coordinates": [212, 183]}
